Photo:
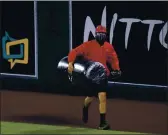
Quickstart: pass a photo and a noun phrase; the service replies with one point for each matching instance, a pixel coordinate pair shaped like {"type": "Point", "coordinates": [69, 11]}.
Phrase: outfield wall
{"type": "Point", "coordinates": [137, 30]}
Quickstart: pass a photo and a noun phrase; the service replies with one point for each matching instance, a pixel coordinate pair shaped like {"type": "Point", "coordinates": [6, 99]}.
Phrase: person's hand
{"type": "Point", "coordinates": [70, 68]}
{"type": "Point", "coordinates": [116, 73]}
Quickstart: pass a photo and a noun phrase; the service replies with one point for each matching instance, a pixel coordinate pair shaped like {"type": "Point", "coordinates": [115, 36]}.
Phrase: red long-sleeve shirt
{"type": "Point", "coordinates": [91, 50]}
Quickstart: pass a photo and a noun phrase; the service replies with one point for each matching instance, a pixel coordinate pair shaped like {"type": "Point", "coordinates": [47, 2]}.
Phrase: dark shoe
{"type": "Point", "coordinates": [104, 126]}
{"type": "Point", "coordinates": [85, 114]}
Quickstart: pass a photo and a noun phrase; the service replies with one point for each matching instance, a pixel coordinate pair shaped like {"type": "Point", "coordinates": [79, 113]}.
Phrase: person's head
{"type": "Point", "coordinates": [100, 34]}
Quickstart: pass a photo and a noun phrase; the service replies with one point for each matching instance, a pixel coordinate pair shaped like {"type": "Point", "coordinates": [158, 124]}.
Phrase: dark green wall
{"type": "Point", "coordinates": [53, 22]}
{"type": "Point", "coordinates": [53, 44]}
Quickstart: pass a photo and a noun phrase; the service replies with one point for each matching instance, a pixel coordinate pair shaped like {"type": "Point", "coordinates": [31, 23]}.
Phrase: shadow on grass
{"type": "Point", "coordinates": [47, 120]}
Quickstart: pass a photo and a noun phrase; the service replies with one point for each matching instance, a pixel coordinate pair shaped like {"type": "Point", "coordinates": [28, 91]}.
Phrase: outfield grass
{"type": "Point", "coordinates": [25, 128]}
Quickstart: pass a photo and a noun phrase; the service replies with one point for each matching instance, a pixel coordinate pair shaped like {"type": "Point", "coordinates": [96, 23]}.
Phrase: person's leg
{"type": "Point", "coordinates": [88, 101]}
{"type": "Point", "coordinates": [89, 92]}
{"type": "Point", "coordinates": [102, 106]}
{"type": "Point", "coordinates": [102, 95]}
{"type": "Point", "coordinates": [86, 105]}
{"type": "Point", "coordinates": [102, 109]}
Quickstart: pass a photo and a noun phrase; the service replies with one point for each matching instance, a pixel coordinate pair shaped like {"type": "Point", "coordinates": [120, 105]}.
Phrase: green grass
{"type": "Point", "coordinates": [25, 128]}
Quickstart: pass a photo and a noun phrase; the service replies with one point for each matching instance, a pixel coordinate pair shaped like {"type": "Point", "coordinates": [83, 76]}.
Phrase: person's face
{"type": "Point", "coordinates": [100, 37]}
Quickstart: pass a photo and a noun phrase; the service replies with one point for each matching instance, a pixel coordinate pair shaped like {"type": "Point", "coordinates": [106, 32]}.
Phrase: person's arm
{"type": "Point", "coordinates": [112, 57]}
{"type": "Point", "coordinates": [80, 50]}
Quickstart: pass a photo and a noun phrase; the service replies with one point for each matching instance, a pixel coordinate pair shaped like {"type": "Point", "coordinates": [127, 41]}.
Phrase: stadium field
{"type": "Point", "coordinates": [25, 128]}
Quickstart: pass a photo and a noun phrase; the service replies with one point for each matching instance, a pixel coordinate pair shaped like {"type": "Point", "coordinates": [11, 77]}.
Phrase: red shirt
{"type": "Point", "coordinates": [91, 50]}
